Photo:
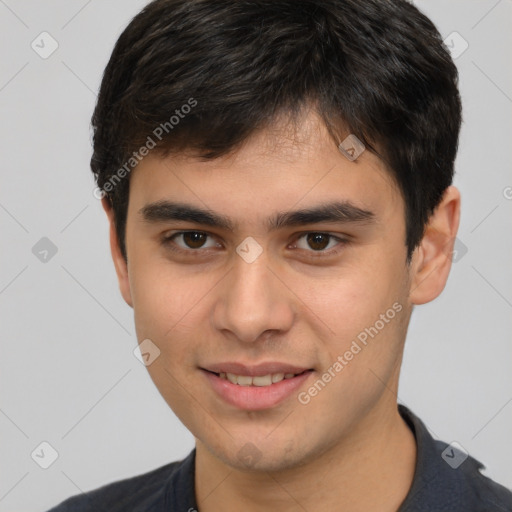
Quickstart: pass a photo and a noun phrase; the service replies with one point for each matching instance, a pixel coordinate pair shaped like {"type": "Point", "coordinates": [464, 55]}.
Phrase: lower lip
{"type": "Point", "coordinates": [256, 398]}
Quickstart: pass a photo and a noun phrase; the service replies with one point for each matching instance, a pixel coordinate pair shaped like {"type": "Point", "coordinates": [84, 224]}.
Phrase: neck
{"type": "Point", "coordinates": [372, 469]}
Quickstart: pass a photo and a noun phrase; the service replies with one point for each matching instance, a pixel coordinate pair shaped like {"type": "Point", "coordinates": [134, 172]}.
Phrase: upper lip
{"type": "Point", "coordinates": [257, 370]}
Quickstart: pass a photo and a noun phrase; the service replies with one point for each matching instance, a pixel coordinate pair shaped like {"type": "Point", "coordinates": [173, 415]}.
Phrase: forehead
{"type": "Point", "coordinates": [283, 166]}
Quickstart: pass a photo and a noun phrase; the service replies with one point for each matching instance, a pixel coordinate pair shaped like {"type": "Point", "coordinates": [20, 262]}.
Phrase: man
{"type": "Point", "coordinates": [277, 177]}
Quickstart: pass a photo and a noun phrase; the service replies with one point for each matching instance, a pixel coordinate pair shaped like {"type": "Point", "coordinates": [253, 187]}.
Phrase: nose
{"type": "Point", "coordinates": [252, 302]}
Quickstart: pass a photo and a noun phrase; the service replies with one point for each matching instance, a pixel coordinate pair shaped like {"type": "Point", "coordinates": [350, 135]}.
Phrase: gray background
{"type": "Point", "coordinates": [67, 372]}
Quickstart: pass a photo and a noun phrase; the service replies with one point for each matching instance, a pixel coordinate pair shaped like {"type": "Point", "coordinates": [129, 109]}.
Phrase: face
{"type": "Point", "coordinates": [279, 332]}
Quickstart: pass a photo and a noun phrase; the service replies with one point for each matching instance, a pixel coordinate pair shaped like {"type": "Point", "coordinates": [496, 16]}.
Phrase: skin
{"type": "Point", "coordinates": [348, 446]}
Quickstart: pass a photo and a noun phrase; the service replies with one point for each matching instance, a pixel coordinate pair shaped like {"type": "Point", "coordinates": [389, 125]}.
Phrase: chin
{"type": "Point", "coordinates": [265, 455]}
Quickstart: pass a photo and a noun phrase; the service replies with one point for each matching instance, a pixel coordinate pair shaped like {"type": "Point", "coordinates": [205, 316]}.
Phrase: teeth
{"type": "Point", "coordinates": [261, 381]}
{"type": "Point", "coordinates": [277, 377]}
{"type": "Point", "coordinates": [232, 378]}
{"type": "Point", "coordinates": [242, 380]}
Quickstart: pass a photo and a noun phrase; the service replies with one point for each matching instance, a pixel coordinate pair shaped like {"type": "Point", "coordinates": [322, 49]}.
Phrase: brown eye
{"type": "Point", "coordinates": [318, 241]}
{"type": "Point", "coordinates": [194, 239]}
{"type": "Point", "coordinates": [320, 244]}
{"type": "Point", "coordinates": [190, 242]}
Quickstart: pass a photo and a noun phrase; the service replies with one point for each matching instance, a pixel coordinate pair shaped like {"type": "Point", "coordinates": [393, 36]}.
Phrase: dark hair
{"type": "Point", "coordinates": [376, 68]}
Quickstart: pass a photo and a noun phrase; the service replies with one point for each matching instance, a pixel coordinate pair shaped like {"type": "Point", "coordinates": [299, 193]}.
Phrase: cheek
{"type": "Point", "coordinates": [364, 308]}
{"type": "Point", "coordinates": [166, 311]}
{"type": "Point", "coordinates": [173, 308]}
{"type": "Point", "coordinates": [352, 300]}
{"type": "Point", "coordinates": [166, 303]}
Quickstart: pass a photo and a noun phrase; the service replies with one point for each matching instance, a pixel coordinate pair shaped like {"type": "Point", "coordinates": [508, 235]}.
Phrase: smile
{"type": "Point", "coordinates": [264, 389]}
{"type": "Point", "coordinates": [260, 381]}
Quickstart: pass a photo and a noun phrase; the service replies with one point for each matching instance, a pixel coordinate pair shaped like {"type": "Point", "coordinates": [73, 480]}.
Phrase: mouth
{"type": "Point", "coordinates": [260, 381]}
{"type": "Point", "coordinates": [258, 387]}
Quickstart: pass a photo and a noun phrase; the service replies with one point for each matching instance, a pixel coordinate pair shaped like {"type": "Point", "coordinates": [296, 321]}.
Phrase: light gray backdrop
{"type": "Point", "coordinates": [67, 372]}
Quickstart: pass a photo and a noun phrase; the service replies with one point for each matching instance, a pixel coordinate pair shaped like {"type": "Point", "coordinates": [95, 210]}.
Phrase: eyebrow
{"type": "Point", "coordinates": [338, 211]}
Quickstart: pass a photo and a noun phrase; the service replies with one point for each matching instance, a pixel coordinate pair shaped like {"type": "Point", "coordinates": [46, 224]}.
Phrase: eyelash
{"type": "Point", "coordinates": [168, 242]}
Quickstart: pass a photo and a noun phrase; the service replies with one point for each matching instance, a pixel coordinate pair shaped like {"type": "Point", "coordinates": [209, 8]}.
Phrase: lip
{"type": "Point", "coordinates": [256, 398]}
{"type": "Point", "coordinates": [257, 370]}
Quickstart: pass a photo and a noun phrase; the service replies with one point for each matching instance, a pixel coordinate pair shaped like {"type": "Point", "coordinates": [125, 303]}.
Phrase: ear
{"type": "Point", "coordinates": [432, 259]}
{"type": "Point", "coordinates": [120, 263]}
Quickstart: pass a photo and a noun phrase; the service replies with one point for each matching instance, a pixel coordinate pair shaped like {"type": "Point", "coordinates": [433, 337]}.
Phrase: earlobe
{"type": "Point", "coordinates": [432, 259]}
{"type": "Point", "coordinates": [120, 263]}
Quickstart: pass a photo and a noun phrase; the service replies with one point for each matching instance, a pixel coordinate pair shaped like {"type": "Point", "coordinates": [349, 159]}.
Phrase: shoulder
{"type": "Point", "coordinates": [140, 492]}
{"type": "Point", "coordinates": [448, 479]}
{"type": "Point", "coordinates": [476, 490]}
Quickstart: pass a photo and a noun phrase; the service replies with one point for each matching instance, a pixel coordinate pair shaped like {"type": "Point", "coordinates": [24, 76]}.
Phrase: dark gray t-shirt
{"type": "Point", "coordinates": [444, 481]}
